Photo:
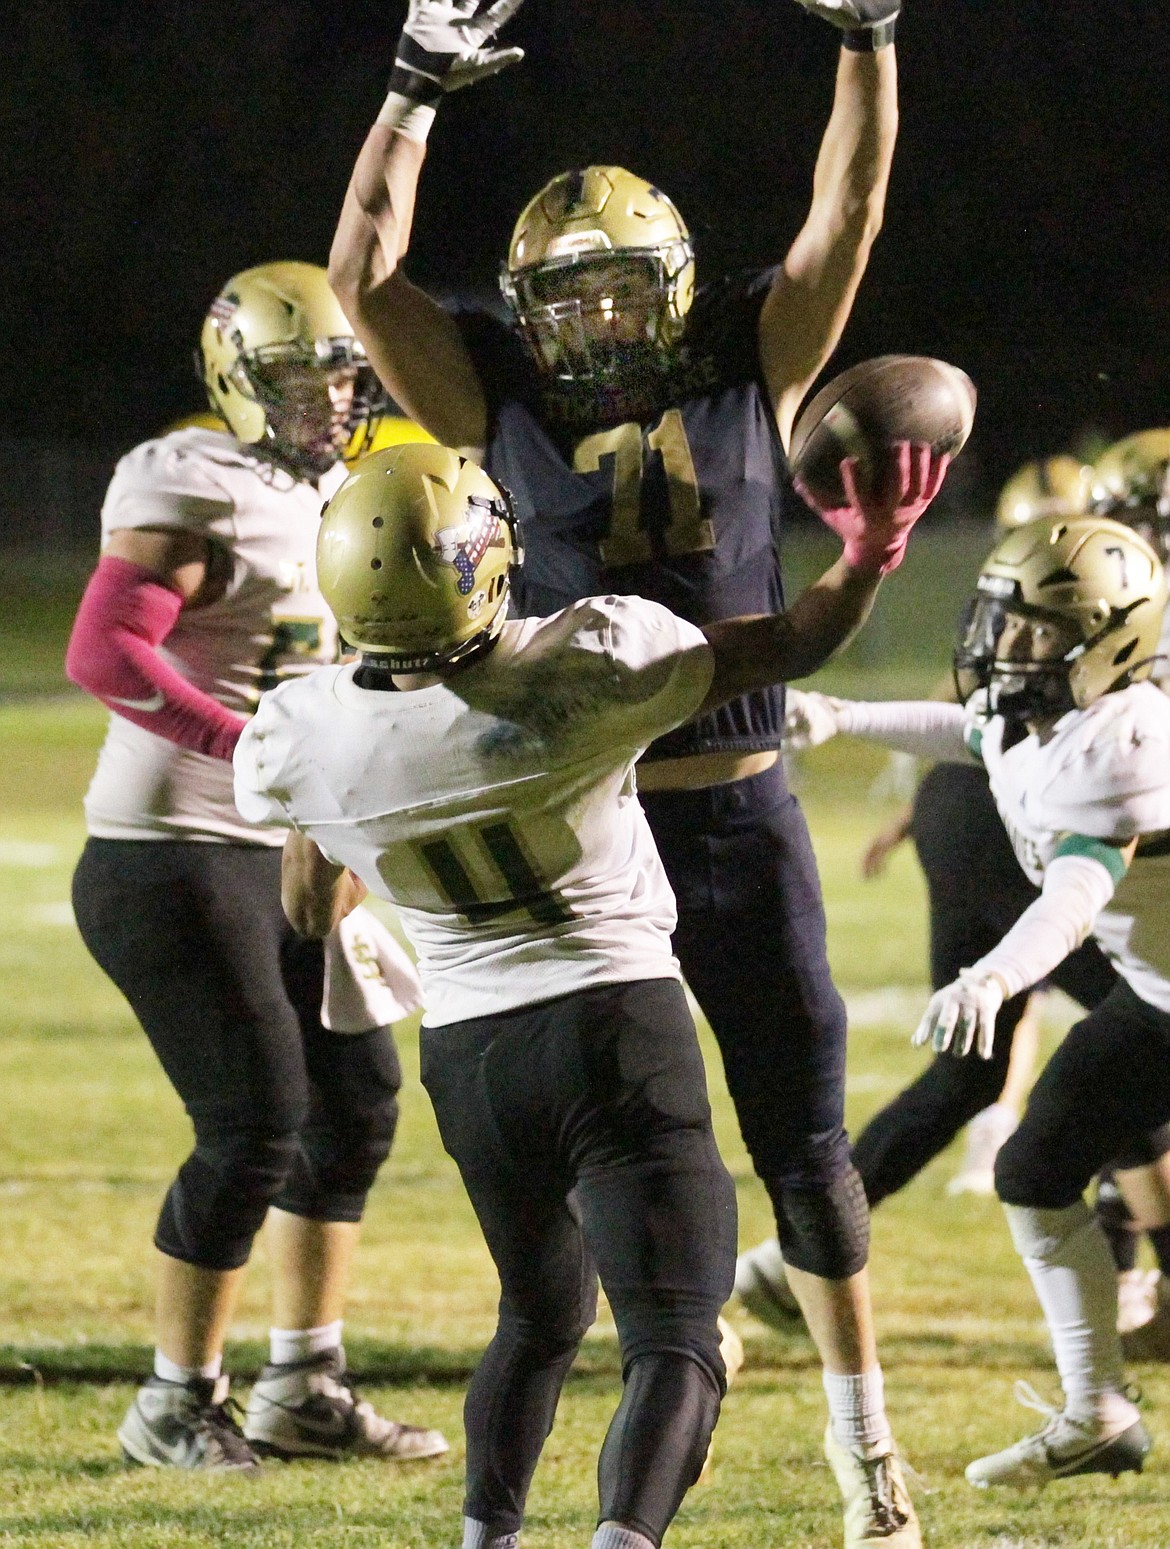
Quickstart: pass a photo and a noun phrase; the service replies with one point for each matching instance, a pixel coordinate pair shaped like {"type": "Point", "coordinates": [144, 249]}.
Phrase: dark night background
{"type": "Point", "coordinates": [152, 149]}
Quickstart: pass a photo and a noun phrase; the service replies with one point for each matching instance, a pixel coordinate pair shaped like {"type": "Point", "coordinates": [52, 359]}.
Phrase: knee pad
{"type": "Point", "coordinates": [334, 1170]}
{"type": "Point", "coordinates": [350, 1129]}
{"type": "Point", "coordinates": [1023, 1178]}
{"type": "Point", "coordinates": [554, 1322]}
{"type": "Point", "coordinates": [221, 1195]}
{"type": "Point", "coordinates": [824, 1230]}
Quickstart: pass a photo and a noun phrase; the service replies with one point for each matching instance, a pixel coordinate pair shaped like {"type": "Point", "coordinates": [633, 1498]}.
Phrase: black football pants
{"type": "Point", "coordinates": [751, 941]}
{"type": "Point", "coordinates": [285, 1112]}
{"type": "Point", "coordinates": [977, 892]}
{"type": "Point", "coordinates": [582, 1132]}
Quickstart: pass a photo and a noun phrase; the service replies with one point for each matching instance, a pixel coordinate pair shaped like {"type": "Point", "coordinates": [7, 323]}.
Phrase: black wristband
{"type": "Point", "coordinates": [410, 83]}
{"type": "Point", "coordinates": [867, 40]}
{"type": "Point", "coordinates": [417, 72]}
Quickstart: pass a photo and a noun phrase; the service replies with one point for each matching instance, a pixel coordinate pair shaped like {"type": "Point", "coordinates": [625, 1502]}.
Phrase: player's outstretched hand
{"type": "Point", "coordinates": [442, 46]}
{"type": "Point", "coordinates": [962, 1014]}
{"type": "Point", "coordinates": [854, 15]}
{"type": "Point", "coordinates": [875, 525]}
{"type": "Point", "coordinates": [809, 719]}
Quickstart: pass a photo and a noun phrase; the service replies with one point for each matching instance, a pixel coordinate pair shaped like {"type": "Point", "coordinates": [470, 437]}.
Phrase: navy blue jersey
{"type": "Point", "coordinates": [682, 506]}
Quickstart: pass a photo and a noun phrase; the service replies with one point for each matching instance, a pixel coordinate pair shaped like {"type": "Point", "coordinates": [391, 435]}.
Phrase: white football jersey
{"type": "Point", "coordinates": [270, 623]}
{"type": "Point", "coordinates": [496, 810]}
{"type": "Point", "coordinates": [1103, 773]}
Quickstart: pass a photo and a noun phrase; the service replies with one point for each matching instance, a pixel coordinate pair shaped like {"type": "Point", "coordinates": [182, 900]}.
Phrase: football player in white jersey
{"type": "Point", "coordinates": [479, 773]}
{"type": "Point", "coordinates": [206, 594]}
{"type": "Point", "coordinates": [1053, 666]}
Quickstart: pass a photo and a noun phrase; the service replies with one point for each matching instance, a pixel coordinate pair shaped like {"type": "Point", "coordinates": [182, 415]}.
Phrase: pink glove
{"type": "Point", "coordinates": [875, 525]}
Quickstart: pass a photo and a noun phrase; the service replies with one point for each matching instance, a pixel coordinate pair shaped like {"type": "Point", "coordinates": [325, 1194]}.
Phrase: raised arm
{"type": "Point", "coordinates": [752, 653]}
{"type": "Point", "coordinates": [413, 344]}
{"type": "Point", "coordinates": [810, 301]}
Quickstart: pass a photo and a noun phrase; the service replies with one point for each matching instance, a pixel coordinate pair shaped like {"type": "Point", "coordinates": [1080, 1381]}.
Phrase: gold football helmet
{"type": "Point", "coordinates": [414, 556]}
{"type": "Point", "coordinates": [1050, 487]}
{"type": "Point", "coordinates": [1097, 578]}
{"type": "Point", "coordinates": [264, 321]}
{"type": "Point", "coordinates": [1131, 483]}
{"type": "Point", "coordinates": [600, 274]}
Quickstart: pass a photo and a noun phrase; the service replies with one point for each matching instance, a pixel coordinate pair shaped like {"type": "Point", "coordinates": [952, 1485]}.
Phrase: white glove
{"type": "Point", "coordinates": [962, 1014]}
{"type": "Point", "coordinates": [810, 719]}
{"type": "Point", "coordinates": [442, 46]}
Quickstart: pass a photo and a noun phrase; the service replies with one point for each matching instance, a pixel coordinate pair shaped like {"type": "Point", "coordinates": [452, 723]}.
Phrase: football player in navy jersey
{"type": "Point", "coordinates": [641, 428]}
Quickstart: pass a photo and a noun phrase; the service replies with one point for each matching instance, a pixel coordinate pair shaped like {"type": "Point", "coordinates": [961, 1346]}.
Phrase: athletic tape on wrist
{"type": "Point", "coordinates": [407, 116]}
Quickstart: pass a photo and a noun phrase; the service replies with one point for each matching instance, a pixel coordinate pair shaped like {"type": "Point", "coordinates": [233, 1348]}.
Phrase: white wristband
{"type": "Point", "coordinates": [408, 118]}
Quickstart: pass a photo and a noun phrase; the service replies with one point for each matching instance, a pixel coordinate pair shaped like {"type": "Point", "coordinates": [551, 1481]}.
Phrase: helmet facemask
{"type": "Point", "coordinates": [312, 404]}
{"type": "Point", "coordinates": [1131, 485]}
{"type": "Point", "coordinates": [1147, 511]}
{"type": "Point", "coordinates": [1018, 689]}
{"type": "Point", "coordinates": [283, 368]}
{"type": "Point", "coordinates": [602, 317]}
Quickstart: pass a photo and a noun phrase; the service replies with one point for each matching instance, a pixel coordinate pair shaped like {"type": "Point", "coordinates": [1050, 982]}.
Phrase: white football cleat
{"type": "Point", "coordinates": [986, 1132]}
{"type": "Point", "coordinates": [761, 1283]}
{"type": "Point", "coordinates": [879, 1513]}
{"type": "Point", "coordinates": [308, 1409]}
{"type": "Point", "coordinates": [1063, 1447]}
{"type": "Point", "coordinates": [185, 1425]}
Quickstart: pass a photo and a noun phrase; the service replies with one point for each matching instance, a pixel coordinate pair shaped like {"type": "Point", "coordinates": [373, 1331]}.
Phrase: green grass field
{"type": "Point", "coordinates": [90, 1133]}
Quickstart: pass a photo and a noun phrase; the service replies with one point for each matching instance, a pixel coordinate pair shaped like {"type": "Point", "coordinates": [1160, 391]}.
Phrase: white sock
{"type": "Point", "coordinates": [300, 1344]}
{"type": "Point", "coordinates": [170, 1371]}
{"type": "Point", "coordinates": [477, 1535]}
{"type": "Point", "coordinates": [1067, 1255]}
{"type": "Point", "coordinates": [612, 1535]}
{"type": "Point", "coordinates": [857, 1408]}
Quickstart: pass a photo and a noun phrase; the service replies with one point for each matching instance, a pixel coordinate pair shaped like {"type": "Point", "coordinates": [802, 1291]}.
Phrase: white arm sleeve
{"type": "Point", "coordinates": [1076, 889]}
{"type": "Point", "coordinates": [924, 727]}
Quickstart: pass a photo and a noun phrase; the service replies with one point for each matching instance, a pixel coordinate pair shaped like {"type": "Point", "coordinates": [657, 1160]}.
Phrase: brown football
{"type": "Point", "coordinates": [868, 408]}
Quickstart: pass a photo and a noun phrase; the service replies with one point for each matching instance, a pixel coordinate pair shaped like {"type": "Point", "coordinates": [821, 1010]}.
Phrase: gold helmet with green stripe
{"type": "Point", "coordinates": [1100, 586]}
{"type": "Point", "coordinates": [414, 557]}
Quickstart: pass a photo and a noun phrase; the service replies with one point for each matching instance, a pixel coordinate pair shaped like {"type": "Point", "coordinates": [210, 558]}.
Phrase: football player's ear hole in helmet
{"type": "Point", "coordinates": [414, 558]}
{"type": "Point", "coordinates": [282, 367]}
{"type": "Point", "coordinates": [1063, 612]}
{"type": "Point", "coordinates": [599, 276]}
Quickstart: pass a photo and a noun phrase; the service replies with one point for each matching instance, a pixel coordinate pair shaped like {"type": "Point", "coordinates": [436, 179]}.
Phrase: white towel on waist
{"type": "Point", "coordinates": [369, 980]}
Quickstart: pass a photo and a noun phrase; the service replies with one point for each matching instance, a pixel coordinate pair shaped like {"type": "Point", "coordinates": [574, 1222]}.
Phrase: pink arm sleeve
{"type": "Point", "coordinates": [125, 614]}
